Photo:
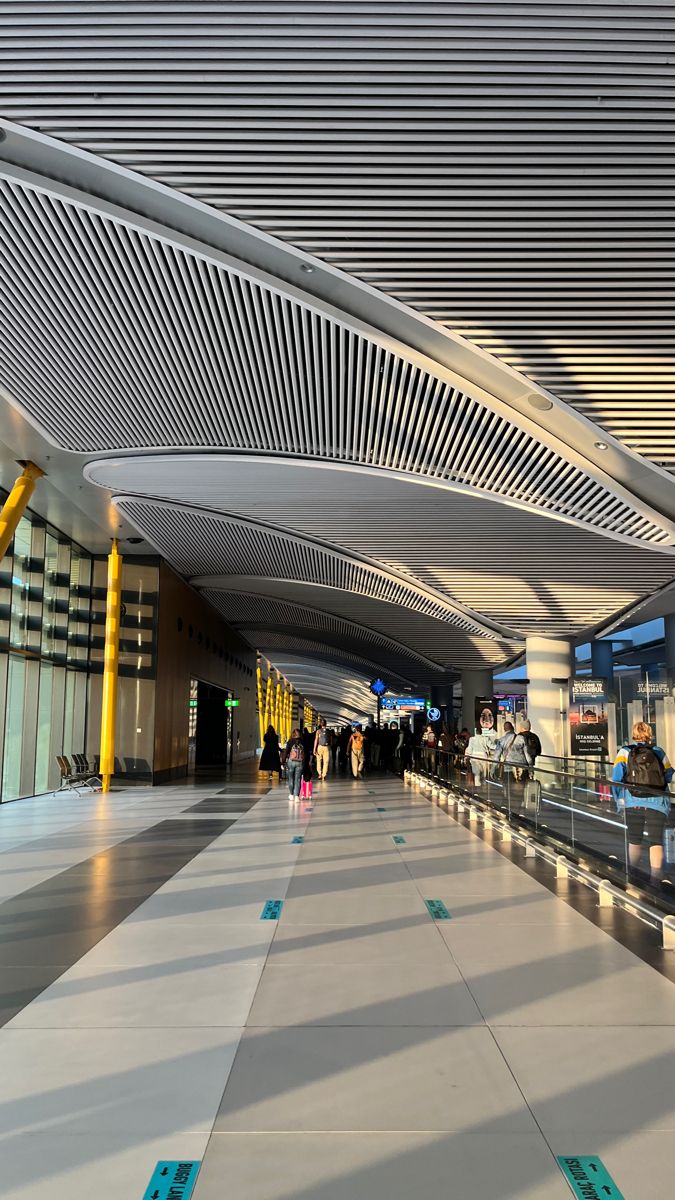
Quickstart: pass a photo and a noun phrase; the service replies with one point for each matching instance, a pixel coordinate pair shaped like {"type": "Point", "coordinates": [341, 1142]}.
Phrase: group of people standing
{"type": "Point", "coordinates": [355, 749]}
{"type": "Point", "coordinates": [483, 752]}
{"type": "Point", "coordinates": [302, 750]}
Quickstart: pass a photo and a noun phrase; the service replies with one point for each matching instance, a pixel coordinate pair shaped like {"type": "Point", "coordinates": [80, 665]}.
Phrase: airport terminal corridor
{"type": "Point", "coordinates": [352, 1045]}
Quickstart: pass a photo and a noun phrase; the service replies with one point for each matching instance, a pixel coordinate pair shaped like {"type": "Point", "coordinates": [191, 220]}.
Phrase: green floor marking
{"type": "Point", "coordinates": [381, 810]}
{"type": "Point", "coordinates": [272, 910]}
{"type": "Point", "coordinates": [588, 1178]}
{"type": "Point", "coordinates": [397, 839]}
{"type": "Point", "coordinates": [438, 910]}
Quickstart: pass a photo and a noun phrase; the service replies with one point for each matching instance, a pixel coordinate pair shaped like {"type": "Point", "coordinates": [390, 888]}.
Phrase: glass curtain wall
{"type": "Point", "coordinates": [45, 607]}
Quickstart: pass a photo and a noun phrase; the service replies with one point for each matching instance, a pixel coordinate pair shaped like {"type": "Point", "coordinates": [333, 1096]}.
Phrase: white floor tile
{"type": "Point", "coordinates": [186, 991]}
{"type": "Point", "coordinates": [149, 1082]}
{"type": "Point", "coordinates": [79, 1166]}
{"type": "Point", "coordinates": [148, 942]}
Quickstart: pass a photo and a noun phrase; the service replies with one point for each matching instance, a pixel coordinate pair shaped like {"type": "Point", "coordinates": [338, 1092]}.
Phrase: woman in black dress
{"type": "Point", "coordinates": [270, 759]}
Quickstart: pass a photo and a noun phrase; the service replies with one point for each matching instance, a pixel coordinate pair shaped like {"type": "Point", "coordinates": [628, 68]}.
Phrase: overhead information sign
{"type": "Point", "coordinates": [404, 703]}
{"type": "Point", "coordinates": [172, 1181]}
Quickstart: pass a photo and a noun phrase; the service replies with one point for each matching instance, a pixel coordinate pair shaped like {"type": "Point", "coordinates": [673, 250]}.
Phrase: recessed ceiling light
{"type": "Point", "coordinates": [601, 446]}
{"type": "Point", "coordinates": [541, 403]}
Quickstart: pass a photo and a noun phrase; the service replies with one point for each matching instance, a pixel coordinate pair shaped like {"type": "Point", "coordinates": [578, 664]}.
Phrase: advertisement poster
{"type": "Point", "coordinates": [588, 717]}
{"type": "Point", "coordinates": [485, 714]}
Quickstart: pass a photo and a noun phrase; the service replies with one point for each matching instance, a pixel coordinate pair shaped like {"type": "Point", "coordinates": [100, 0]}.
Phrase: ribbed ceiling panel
{"type": "Point", "coordinates": [112, 339]}
{"type": "Point", "coordinates": [274, 645]}
{"type": "Point", "coordinates": [516, 568]}
{"type": "Point", "coordinates": [202, 543]}
{"type": "Point", "coordinates": [506, 168]}
{"type": "Point", "coordinates": [280, 625]}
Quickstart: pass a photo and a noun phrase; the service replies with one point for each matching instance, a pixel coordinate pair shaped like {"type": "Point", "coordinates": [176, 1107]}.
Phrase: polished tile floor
{"type": "Point", "coordinates": [355, 1047]}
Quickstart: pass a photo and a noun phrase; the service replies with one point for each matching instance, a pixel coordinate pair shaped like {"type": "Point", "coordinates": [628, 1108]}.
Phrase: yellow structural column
{"type": "Point", "coordinates": [15, 504]}
{"type": "Point", "coordinates": [261, 703]}
{"type": "Point", "coordinates": [111, 656]}
{"type": "Point", "coordinates": [277, 705]}
{"type": "Point", "coordinates": [268, 701]}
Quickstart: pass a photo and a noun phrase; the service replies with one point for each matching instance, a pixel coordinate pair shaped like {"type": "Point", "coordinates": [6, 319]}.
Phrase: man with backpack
{"type": "Point", "coordinates": [640, 781]}
{"type": "Point", "coordinates": [322, 750]}
{"type": "Point", "coordinates": [294, 759]}
{"type": "Point", "coordinates": [355, 751]}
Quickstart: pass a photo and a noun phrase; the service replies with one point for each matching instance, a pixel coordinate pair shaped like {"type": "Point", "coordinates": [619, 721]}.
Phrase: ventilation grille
{"type": "Point", "coordinates": [507, 169]}
{"type": "Point", "coordinates": [113, 339]}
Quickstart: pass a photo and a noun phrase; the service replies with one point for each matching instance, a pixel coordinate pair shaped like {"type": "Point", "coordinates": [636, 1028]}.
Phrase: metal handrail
{"type": "Point", "coordinates": [608, 893]}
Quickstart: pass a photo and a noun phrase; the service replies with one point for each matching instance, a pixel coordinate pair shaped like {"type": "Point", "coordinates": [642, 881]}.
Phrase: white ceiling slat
{"type": "Point", "coordinates": [517, 568]}
{"type": "Point", "coordinates": [427, 151]}
{"type": "Point", "coordinates": [172, 318]}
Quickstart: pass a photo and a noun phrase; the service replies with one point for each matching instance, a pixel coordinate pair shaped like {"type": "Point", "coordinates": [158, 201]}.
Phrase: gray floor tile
{"type": "Point", "coordinates": [584, 987]}
{"type": "Point", "coordinates": [613, 1080]}
{"type": "Point", "coordinates": [352, 908]}
{"type": "Point", "coordinates": [380, 1166]}
{"type": "Point", "coordinates": [368, 1078]}
{"type": "Point", "coordinates": [365, 994]}
{"type": "Point", "coordinates": [403, 940]}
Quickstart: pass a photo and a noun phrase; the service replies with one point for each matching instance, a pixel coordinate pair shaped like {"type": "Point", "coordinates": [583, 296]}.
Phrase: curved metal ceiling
{"type": "Point", "coordinates": [103, 323]}
{"type": "Point", "coordinates": [522, 571]}
{"type": "Point", "coordinates": [376, 489]}
{"type": "Point", "coordinates": [504, 168]}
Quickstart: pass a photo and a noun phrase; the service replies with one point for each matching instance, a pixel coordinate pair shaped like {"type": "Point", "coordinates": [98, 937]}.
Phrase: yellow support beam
{"type": "Point", "coordinates": [111, 654]}
{"type": "Point", "coordinates": [289, 713]}
{"type": "Point", "coordinates": [16, 503]}
{"type": "Point", "coordinates": [268, 702]}
{"type": "Point", "coordinates": [261, 703]}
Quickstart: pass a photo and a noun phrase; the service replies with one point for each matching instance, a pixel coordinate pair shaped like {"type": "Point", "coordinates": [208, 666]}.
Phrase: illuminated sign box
{"type": "Point", "coordinates": [404, 704]}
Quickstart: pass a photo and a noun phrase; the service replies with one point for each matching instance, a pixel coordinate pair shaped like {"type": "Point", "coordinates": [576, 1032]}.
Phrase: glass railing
{"type": "Point", "coordinates": [573, 803]}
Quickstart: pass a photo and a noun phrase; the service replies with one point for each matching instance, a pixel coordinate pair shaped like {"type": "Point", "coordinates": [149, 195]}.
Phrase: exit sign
{"type": "Point", "coordinates": [232, 704]}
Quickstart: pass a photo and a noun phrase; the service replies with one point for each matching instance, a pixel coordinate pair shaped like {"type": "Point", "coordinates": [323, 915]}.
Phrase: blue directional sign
{"type": "Point", "coordinates": [172, 1181]}
{"type": "Point", "coordinates": [272, 910]}
{"type": "Point", "coordinates": [437, 910]}
{"type": "Point", "coordinates": [588, 1177]}
{"type": "Point", "coordinates": [434, 714]}
{"type": "Point", "coordinates": [378, 687]}
{"type": "Point", "coordinates": [297, 841]}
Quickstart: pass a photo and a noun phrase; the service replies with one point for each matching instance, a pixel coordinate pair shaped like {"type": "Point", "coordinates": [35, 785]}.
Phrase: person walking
{"type": "Point", "coordinates": [294, 758]}
{"type": "Point", "coordinates": [306, 785]}
{"type": "Point", "coordinates": [640, 779]}
{"type": "Point", "coordinates": [429, 743]}
{"type": "Point", "coordinates": [322, 750]}
{"type": "Point", "coordinates": [518, 756]}
{"type": "Point", "coordinates": [270, 759]}
{"type": "Point", "coordinates": [501, 746]}
{"type": "Point", "coordinates": [355, 752]}
{"type": "Point", "coordinates": [479, 753]}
